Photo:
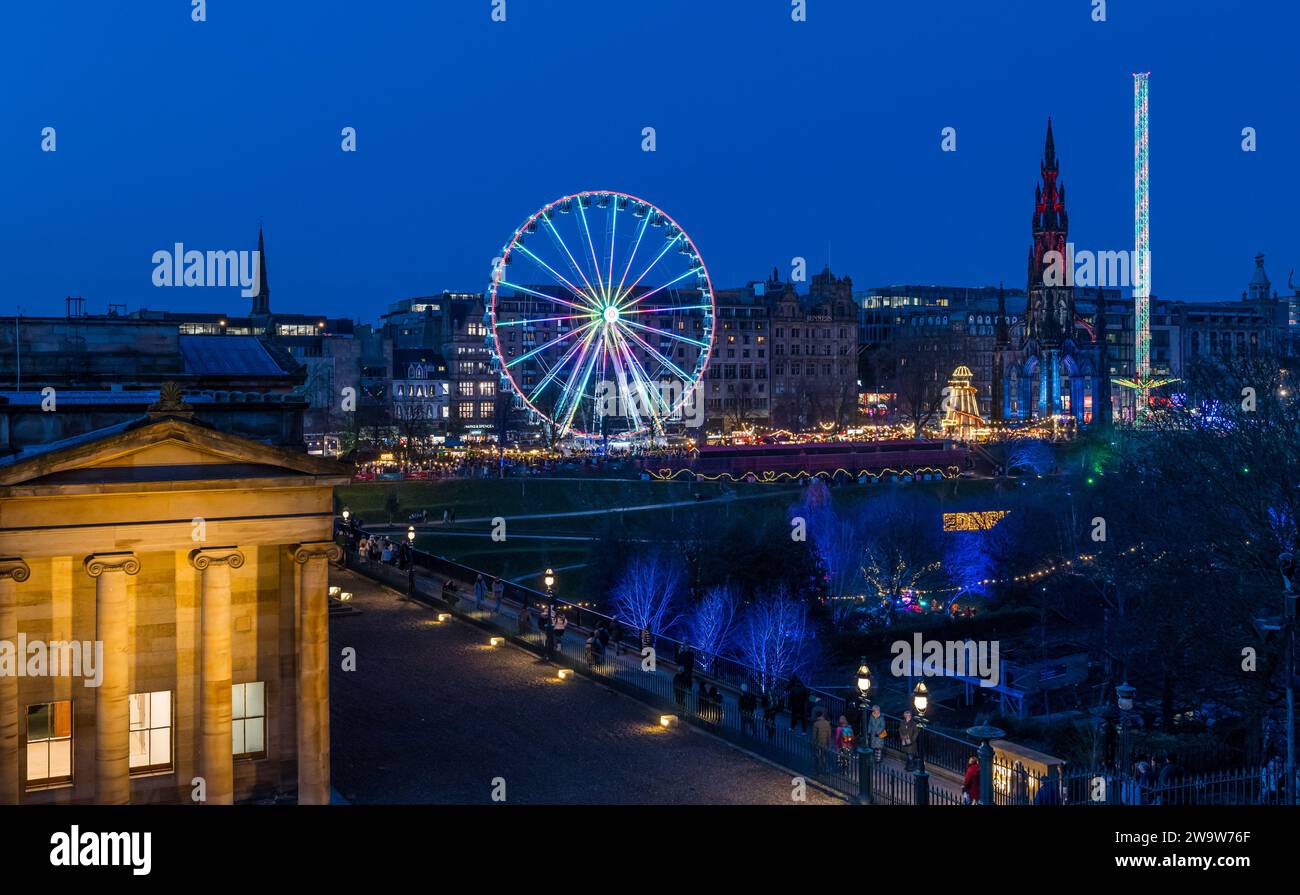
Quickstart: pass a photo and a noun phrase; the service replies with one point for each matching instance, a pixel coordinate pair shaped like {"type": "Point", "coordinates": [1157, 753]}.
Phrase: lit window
{"type": "Point", "coordinates": [248, 720]}
{"type": "Point", "coordinates": [49, 743]}
{"type": "Point", "coordinates": [151, 731]}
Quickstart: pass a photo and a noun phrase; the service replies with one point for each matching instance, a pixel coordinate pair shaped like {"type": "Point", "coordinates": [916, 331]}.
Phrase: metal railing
{"type": "Point", "coordinates": [1015, 785]}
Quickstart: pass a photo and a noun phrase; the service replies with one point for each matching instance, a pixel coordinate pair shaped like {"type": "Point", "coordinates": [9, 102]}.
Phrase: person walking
{"type": "Point", "coordinates": [561, 625]}
{"type": "Point", "coordinates": [798, 704]}
{"type": "Point", "coordinates": [715, 705]}
{"type": "Point", "coordinates": [680, 688]}
{"type": "Point", "coordinates": [748, 706]}
{"type": "Point", "coordinates": [844, 743]}
{"type": "Point", "coordinates": [821, 741]}
{"type": "Point", "coordinates": [771, 710]}
{"type": "Point", "coordinates": [524, 622]}
{"type": "Point", "coordinates": [701, 700]}
{"type": "Point", "coordinates": [616, 635]}
{"type": "Point", "coordinates": [498, 592]}
{"type": "Point", "coordinates": [546, 622]}
{"type": "Point", "coordinates": [480, 589]}
{"type": "Point", "coordinates": [970, 786]}
{"type": "Point", "coordinates": [907, 733]}
{"type": "Point", "coordinates": [876, 733]}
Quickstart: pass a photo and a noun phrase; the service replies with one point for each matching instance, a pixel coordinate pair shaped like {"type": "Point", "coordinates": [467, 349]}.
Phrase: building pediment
{"type": "Point", "coordinates": [152, 450]}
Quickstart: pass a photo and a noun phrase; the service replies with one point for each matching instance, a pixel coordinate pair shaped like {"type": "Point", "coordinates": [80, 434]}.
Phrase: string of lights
{"type": "Point", "coordinates": [769, 476]}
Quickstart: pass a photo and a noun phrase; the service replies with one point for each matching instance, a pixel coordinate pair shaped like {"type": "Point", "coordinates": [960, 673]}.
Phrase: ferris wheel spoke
{"type": "Point", "coordinates": [663, 360]}
{"type": "Point", "coordinates": [554, 372]}
{"type": "Point", "coordinates": [672, 242]}
{"type": "Point", "coordinates": [559, 278]}
{"type": "Point", "coordinates": [625, 311]}
{"type": "Point", "coordinates": [542, 319]}
{"type": "Point", "coordinates": [659, 289]}
{"type": "Point", "coordinates": [574, 395]}
{"type": "Point", "coordinates": [647, 386]}
{"type": "Point", "coordinates": [540, 348]}
{"type": "Point", "coordinates": [572, 261]}
{"type": "Point", "coordinates": [626, 391]}
{"type": "Point", "coordinates": [612, 340]}
{"type": "Point", "coordinates": [613, 234]}
{"type": "Point", "coordinates": [551, 298]}
{"type": "Point", "coordinates": [645, 222]}
{"type": "Point", "coordinates": [665, 332]}
{"type": "Point", "coordinates": [595, 265]}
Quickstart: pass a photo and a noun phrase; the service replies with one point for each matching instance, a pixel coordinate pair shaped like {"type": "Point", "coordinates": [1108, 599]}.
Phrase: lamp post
{"type": "Point", "coordinates": [410, 562]}
{"type": "Point", "coordinates": [920, 778]}
{"type": "Point", "coordinates": [347, 514]}
{"type": "Point", "coordinates": [984, 733]}
{"type": "Point", "coordinates": [863, 683]}
{"type": "Point", "coordinates": [549, 581]}
{"type": "Point", "coordinates": [1124, 695]}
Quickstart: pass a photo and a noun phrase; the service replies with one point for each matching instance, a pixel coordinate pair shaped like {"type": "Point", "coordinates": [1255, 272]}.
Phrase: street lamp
{"type": "Point", "coordinates": [410, 533]}
{"type": "Point", "coordinates": [920, 778]}
{"type": "Point", "coordinates": [1124, 694]}
{"type": "Point", "coordinates": [347, 514]}
{"type": "Point", "coordinates": [549, 580]}
{"type": "Point", "coordinates": [921, 699]}
{"type": "Point", "coordinates": [863, 684]}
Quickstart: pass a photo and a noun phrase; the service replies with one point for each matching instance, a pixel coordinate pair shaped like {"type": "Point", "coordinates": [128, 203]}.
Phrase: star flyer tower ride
{"type": "Point", "coordinates": [1141, 238]}
{"type": "Point", "coordinates": [1143, 381]}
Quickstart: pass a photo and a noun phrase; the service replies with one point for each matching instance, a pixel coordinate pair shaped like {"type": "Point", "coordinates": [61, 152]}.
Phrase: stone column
{"type": "Point", "coordinates": [216, 760]}
{"type": "Point", "coordinates": [112, 715]}
{"type": "Point", "coordinates": [313, 671]}
{"type": "Point", "coordinates": [12, 571]}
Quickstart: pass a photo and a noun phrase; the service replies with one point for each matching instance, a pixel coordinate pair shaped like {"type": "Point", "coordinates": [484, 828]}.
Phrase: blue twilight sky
{"type": "Point", "coordinates": [775, 138]}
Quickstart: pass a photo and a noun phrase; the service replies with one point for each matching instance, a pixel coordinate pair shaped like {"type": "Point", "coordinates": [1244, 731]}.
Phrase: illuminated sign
{"type": "Point", "coordinates": [979, 521]}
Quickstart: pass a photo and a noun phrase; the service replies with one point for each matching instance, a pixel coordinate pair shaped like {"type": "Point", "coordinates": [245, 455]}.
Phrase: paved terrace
{"type": "Point", "coordinates": [432, 714]}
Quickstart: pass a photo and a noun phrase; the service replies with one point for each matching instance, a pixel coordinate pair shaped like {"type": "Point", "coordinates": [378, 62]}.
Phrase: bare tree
{"type": "Point", "coordinates": [647, 594]}
{"type": "Point", "coordinates": [773, 637]}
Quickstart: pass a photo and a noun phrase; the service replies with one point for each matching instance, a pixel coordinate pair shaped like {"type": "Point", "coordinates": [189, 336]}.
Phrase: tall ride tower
{"type": "Point", "coordinates": [1142, 244]}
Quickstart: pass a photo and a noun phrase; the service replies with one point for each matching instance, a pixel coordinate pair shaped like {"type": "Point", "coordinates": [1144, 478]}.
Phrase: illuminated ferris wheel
{"type": "Point", "coordinates": [600, 315]}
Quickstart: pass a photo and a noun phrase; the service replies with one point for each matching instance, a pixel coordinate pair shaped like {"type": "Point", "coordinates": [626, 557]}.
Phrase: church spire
{"type": "Point", "coordinates": [262, 298]}
{"type": "Point", "coordinates": [1049, 150]}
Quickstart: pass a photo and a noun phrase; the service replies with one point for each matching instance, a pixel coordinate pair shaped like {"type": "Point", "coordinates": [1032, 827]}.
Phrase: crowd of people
{"type": "Point", "coordinates": [376, 549]}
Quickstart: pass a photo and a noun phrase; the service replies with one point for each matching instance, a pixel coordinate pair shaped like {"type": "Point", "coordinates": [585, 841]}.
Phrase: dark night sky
{"type": "Point", "coordinates": [775, 138]}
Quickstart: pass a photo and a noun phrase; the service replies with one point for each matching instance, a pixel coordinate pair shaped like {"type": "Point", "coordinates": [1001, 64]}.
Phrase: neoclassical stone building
{"type": "Point", "coordinates": [199, 561]}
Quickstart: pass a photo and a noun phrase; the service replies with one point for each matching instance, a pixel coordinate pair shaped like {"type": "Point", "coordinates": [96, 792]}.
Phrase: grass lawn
{"type": "Point", "coordinates": [483, 499]}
